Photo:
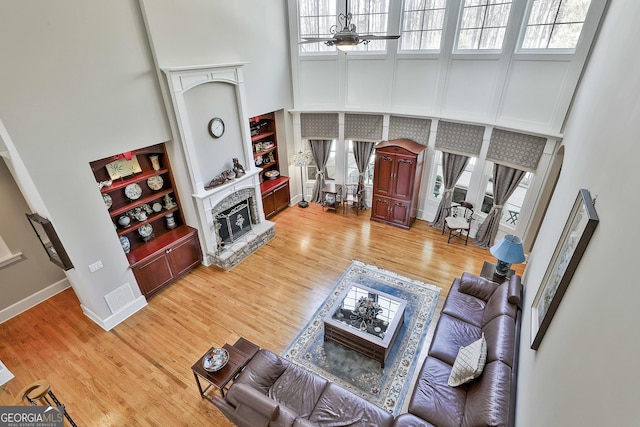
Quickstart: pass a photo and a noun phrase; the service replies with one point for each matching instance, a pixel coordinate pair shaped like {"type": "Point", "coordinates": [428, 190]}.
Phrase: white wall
{"type": "Point", "coordinates": [585, 371]}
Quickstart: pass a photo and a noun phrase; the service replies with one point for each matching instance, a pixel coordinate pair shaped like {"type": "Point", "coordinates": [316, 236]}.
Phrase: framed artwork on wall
{"type": "Point", "coordinates": [575, 237]}
{"type": "Point", "coordinates": [50, 241]}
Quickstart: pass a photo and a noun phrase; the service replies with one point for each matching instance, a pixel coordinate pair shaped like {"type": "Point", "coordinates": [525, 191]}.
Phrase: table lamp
{"type": "Point", "coordinates": [301, 159]}
{"type": "Point", "coordinates": [508, 251]}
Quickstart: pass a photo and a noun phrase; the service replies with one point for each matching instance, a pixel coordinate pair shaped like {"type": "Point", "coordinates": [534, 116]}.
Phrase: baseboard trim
{"type": "Point", "coordinates": [33, 300]}
{"type": "Point", "coordinates": [116, 318]}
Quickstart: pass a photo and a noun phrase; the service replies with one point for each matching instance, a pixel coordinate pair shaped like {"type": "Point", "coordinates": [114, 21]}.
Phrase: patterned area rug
{"type": "Point", "coordinates": [360, 374]}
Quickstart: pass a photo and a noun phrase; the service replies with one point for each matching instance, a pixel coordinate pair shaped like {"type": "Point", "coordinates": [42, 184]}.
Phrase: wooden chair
{"type": "Point", "coordinates": [352, 197]}
{"type": "Point", "coordinates": [458, 220]}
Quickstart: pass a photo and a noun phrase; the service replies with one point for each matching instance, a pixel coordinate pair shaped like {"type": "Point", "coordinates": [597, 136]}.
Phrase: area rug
{"type": "Point", "coordinates": [360, 374]}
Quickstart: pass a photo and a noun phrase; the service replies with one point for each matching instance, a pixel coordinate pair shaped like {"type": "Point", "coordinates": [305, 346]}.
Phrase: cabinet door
{"type": "Point", "coordinates": [184, 255]}
{"type": "Point", "coordinates": [380, 208]}
{"type": "Point", "coordinates": [399, 212]}
{"type": "Point", "coordinates": [268, 204]}
{"type": "Point", "coordinates": [404, 176]}
{"type": "Point", "coordinates": [154, 274]}
{"type": "Point", "coordinates": [383, 174]}
{"type": "Point", "coordinates": [281, 197]}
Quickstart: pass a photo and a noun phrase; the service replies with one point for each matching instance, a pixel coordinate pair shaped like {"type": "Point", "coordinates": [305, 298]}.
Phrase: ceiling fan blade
{"type": "Point", "coordinates": [315, 40]}
{"type": "Point", "coordinates": [374, 37]}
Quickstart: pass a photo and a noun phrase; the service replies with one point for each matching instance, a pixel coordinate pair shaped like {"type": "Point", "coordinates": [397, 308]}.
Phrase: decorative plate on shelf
{"type": "Point", "coordinates": [145, 230]}
{"type": "Point", "coordinates": [215, 359]}
{"type": "Point", "coordinates": [107, 200]}
{"type": "Point", "coordinates": [155, 182]}
{"type": "Point", "coordinates": [272, 174]}
{"type": "Point", "coordinates": [133, 191]}
{"type": "Point", "coordinates": [157, 207]}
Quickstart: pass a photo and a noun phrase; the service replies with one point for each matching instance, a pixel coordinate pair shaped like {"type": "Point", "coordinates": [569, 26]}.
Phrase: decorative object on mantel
{"type": "Point", "coordinates": [301, 159]}
{"type": "Point", "coordinates": [223, 178]}
{"type": "Point", "coordinates": [238, 169]}
{"type": "Point", "coordinates": [508, 251]}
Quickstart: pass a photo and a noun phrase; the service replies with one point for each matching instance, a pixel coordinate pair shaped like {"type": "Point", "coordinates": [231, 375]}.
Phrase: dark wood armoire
{"type": "Point", "coordinates": [396, 182]}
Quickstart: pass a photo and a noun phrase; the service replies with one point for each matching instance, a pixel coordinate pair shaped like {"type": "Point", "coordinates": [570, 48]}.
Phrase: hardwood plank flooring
{"type": "Point", "coordinates": [139, 373]}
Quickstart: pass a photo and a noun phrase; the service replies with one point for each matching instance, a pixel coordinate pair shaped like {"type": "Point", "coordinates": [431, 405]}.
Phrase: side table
{"type": "Point", "coordinates": [488, 272]}
{"type": "Point", "coordinates": [330, 196]}
{"type": "Point", "coordinates": [240, 354]}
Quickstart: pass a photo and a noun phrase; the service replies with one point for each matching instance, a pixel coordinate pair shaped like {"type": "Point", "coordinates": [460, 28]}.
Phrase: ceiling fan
{"type": "Point", "coordinates": [346, 38]}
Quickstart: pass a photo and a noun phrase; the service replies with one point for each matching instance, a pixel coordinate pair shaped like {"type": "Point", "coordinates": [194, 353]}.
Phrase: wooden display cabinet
{"type": "Point", "coordinates": [264, 142]}
{"type": "Point", "coordinates": [396, 182]}
{"type": "Point", "coordinates": [145, 210]}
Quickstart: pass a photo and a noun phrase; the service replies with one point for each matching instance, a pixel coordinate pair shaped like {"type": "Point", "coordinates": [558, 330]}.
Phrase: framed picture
{"type": "Point", "coordinates": [50, 241]}
{"type": "Point", "coordinates": [575, 237]}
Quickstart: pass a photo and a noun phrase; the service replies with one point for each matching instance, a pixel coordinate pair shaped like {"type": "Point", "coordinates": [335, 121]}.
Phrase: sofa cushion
{"type": "Point", "coordinates": [464, 306]}
{"type": "Point", "coordinates": [500, 334]}
{"type": "Point", "coordinates": [338, 407]}
{"type": "Point", "coordinates": [469, 363]}
{"type": "Point", "coordinates": [452, 333]}
{"type": "Point", "coordinates": [488, 397]}
{"type": "Point", "coordinates": [299, 389]}
{"type": "Point", "coordinates": [477, 286]}
{"type": "Point", "coordinates": [498, 305]}
{"type": "Point", "coordinates": [433, 400]}
{"type": "Point", "coordinates": [262, 371]}
{"type": "Point", "coordinates": [410, 420]}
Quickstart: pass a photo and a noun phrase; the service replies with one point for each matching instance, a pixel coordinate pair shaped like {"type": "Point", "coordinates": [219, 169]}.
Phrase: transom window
{"type": "Point", "coordinates": [370, 17]}
{"type": "Point", "coordinates": [483, 24]}
{"type": "Point", "coordinates": [422, 23]}
{"type": "Point", "coordinates": [316, 17]}
{"type": "Point", "coordinates": [555, 24]}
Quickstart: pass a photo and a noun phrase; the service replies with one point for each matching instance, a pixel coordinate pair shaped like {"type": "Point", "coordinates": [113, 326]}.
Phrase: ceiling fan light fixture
{"type": "Point", "coordinates": [346, 47]}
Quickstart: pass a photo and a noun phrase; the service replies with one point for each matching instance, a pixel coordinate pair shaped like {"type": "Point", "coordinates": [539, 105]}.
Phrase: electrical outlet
{"type": "Point", "coordinates": [95, 266]}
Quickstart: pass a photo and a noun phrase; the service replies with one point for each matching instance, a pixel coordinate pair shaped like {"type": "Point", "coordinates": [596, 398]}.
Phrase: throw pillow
{"type": "Point", "coordinates": [469, 363]}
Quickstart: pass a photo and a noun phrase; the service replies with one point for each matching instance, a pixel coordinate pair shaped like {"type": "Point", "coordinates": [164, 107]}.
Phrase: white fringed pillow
{"type": "Point", "coordinates": [469, 363]}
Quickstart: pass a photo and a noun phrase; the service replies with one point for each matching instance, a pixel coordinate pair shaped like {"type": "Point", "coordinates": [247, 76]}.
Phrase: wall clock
{"type": "Point", "coordinates": [216, 127]}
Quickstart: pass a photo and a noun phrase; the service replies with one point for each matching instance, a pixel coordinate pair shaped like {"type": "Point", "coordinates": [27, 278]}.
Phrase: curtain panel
{"type": "Point", "coordinates": [319, 125]}
{"type": "Point", "coordinates": [362, 151]}
{"type": "Point", "coordinates": [517, 150]}
{"type": "Point", "coordinates": [363, 126]}
{"type": "Point", "coordinates": [453, 165]}
{"type": "Point", "coordinates": [320, 150]}
{"type": "Point", "coordinates": [459, 138]}
{"type": "Point", "coordinates": [410, 127]}
{"type": "Point", "coordinates": [505, 182]}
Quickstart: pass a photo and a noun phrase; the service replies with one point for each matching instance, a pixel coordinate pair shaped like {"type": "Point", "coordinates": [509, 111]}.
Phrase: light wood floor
{"type": "Point", "coordinates": [139, 373]}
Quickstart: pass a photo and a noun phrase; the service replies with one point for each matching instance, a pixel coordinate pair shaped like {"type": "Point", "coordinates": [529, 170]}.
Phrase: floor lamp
{"type": "Point", "coordinates": [301, 159]}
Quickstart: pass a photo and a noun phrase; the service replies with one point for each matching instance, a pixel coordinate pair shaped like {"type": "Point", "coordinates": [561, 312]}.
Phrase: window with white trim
{"type": "Point", "coordinates": [330, 167]}
{"type": "Point", "coordinates": [461, 187]}
{"type": "Point", "coordinates": [422, 24]}
{"type": "Point", "coordinates": [352, 167]}
{"type": "Point", "coordinates": [555, 24]}
{"type": "Point", "coordinates": [483, 24]}
{"type": "Point", "coordinates": [315, 19]}
{"type": "Point", "coordinates": [513, 206]}
{"type": "Point", "coordinates": [370, 17]}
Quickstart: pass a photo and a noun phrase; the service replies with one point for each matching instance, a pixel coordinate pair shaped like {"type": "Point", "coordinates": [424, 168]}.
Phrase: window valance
{"type": "Point", "coordinates": [459, 138]}
{"type": "Point", "coordinates": [363, 127]}
{"type": "Point", "coordinates": [517, 150]}
{"type": "Point", "coordinates": [410, 127]}
{"type": "Point", "coordinates": [319, 125]}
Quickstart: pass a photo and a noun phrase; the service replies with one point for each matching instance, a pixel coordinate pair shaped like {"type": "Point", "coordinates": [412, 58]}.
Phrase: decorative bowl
{"type": "Point", "coordinates": [215, 359]}
{"type": "Point", "coordinates": [272, 174]}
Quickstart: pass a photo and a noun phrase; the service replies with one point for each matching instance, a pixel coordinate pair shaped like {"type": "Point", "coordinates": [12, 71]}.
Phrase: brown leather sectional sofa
{"type": "Point", "coordinates": [474, 306]}
{"type": "Point", "coordinates": [274, 392]}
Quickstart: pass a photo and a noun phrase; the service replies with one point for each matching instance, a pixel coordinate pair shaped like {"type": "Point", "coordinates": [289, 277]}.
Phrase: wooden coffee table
{"type": "Point", "coordinates": [375, 338]}
{"type": "Point", "coordinates": [240, 354]}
